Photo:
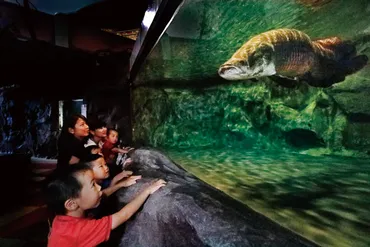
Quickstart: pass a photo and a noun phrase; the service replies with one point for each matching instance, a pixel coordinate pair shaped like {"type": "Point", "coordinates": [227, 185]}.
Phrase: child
{"type": "Point", "coordinates": [75, 192]}
{"type": "Point", "coordinates": [110, 149]}
{"type": "Point", "coordinates": [93, 149]}
{"type": "Point", "coordinates": [98, 132]}
{"type": "Point", "coordinates": [91, 157]}
{"type": "Point", "coordinates": [101, 175]}
{"type": "Point", "coordinates": [108, 186]}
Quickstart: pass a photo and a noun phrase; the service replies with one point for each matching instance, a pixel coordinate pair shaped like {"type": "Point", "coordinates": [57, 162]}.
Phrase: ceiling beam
{"type": "Point", "coordinates": [149, 37]}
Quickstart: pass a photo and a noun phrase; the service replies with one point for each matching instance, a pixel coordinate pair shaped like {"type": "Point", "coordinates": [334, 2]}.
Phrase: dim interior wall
{"type": "Point", "coordinates": [28, 126]}
{"type": "Point", "coordinates": [31, 126]}
{"type": "Point", "coordinates": [113, 107]}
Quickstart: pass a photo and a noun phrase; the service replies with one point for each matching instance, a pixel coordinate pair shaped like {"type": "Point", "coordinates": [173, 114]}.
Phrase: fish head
{"type": "Point", "coordinates": [254, 65]}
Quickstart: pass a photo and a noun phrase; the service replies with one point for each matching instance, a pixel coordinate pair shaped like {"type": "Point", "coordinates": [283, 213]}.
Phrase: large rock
{"type": "Point", "coordinates": [352, 97]}
{"type": "Point", "coordinates": [189, 212]}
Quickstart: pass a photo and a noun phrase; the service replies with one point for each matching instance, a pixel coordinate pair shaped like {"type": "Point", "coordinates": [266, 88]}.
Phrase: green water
{"type": "Point", "coordinates": [180, 102]}
{"type": "Point", "coordinates": [205, 33]}
{"type": "Point", "coordinates": [325, 199]}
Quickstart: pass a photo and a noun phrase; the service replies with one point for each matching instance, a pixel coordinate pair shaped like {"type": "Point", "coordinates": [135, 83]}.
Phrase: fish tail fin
{"type": "Point", "coordinates": [336, 71]}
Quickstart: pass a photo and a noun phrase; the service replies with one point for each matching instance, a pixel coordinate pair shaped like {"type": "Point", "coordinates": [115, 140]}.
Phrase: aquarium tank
{"type": "Point", "coordinates": [268, 101]}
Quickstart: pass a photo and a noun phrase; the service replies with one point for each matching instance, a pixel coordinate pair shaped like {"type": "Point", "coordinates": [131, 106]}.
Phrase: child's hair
{"type": "Point", "coordinates": [95, 123]}
{"type": "Point", "coordinates": [64, 187]}
{"type": "Point", "coordinates": [92, 157]}
{"type": "Point", "coordinates": [112, 129]}
{"type": "Point", "coordinates": [90, 149]}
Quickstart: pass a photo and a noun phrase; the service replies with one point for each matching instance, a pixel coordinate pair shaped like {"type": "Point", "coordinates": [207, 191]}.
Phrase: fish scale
{"type": "Point", "coordinates": [292, 60]}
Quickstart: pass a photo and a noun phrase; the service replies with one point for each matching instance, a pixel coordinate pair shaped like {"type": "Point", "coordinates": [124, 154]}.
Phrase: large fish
{"type": "Point", "coordinates": [292, 55]}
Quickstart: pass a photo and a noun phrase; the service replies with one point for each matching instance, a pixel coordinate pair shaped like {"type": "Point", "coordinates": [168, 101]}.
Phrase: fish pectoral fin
{"type": "Point", "coordinates": [322, 82]}
{"type": "Point", "coordinates": [284, 81]}
{"type": "Point", "coordinates": [288, 77]}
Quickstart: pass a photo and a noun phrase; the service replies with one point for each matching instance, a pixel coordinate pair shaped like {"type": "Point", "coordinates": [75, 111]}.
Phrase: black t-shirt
{"type": "Point", "coordinates": [68, 147]}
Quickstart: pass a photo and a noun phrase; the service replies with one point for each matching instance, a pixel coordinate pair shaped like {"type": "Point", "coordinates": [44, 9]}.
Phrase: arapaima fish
{"type": "Point", "coordinates": [291, 54]}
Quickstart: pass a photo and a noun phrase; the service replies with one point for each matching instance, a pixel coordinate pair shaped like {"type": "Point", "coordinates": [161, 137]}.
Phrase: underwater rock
{"type": "Point", "coordinates": [291, 55]}
{"type": "Point", "coordinates": [150, 110]}
{"type": "Point", "coordinates": [302, 138]}
{"type": "Point", "coordinates": [189, 212]}
{"type": "Point", "coordinates": [357, 136]}
{"type": "Point", "coordinates": [352, 95]}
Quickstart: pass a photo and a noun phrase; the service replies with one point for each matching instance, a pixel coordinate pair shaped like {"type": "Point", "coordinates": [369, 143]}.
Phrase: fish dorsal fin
{"type": "Point", "coordinates": [334, 48]}
{"type": "Point", "coordinates": [328, 42]}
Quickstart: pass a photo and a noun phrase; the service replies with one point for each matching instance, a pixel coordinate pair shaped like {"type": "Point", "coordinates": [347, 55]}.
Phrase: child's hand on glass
{"type": "Point", "coordinates": [123, 174]}
{"type": "Point", "coordinates": [128, 149]}
{"type": "Point", "coordinates": [129, 181]}
{"type": "Point", "coordinates": [153, 187]}
{"type": "Point", "coordinates": [126, 163]}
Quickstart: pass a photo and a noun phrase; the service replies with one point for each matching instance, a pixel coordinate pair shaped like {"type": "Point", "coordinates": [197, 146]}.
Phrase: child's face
{"type": "Point", "coordinates": [90, 194]}
{"type": "Point", "coordinates": [100, 169]}
{"type": "Point", "coordinates": [113, 137]}
{"type": "Point", "coordinates": [100, 133]}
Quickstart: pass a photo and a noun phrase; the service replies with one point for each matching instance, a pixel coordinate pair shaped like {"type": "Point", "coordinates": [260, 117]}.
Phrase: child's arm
{"type": "Point", "coordinates": [127, 211]}
{"type": "Point", "coordinates": [74, 160]}
{"type": "Point", "coordinates": [125, 183]}
{"type": "Point", "coordinates": [128, 148]}
{"type": "Point", "coordinates": [120, 150]}
{"type": "Point", "coordinates": [120, 176]}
